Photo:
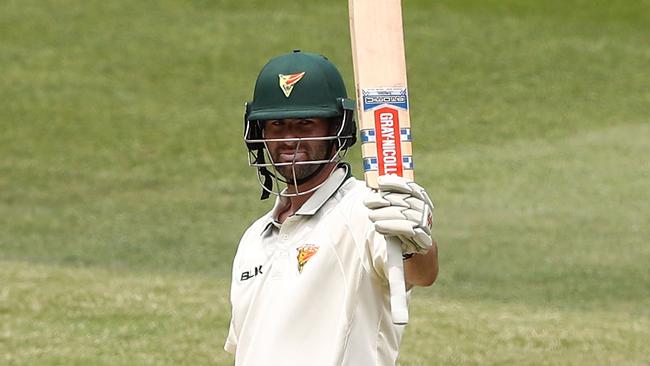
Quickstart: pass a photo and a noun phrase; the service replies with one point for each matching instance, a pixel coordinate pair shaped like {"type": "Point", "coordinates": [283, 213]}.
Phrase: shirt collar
{"type": "Point", "coordinates": [317, 199]}
{"type": "Point", "coordinates": [322, 194]}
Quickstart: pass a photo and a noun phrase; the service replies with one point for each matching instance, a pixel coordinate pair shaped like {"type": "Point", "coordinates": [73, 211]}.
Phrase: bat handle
{"type": "Point", "coordinates": [398, 307]}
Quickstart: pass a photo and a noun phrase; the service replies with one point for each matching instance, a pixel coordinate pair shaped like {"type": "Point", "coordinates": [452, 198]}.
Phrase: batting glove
{"type": "Point", "coordinates": [402, 209]}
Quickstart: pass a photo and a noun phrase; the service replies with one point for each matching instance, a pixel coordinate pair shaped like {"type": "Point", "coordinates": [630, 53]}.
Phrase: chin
{"type": "Point", "coordinates": [287, 173]}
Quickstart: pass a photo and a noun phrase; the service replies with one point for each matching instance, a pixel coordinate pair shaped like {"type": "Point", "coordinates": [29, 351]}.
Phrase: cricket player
{"type": "Point", "coordinates": [309, 280]}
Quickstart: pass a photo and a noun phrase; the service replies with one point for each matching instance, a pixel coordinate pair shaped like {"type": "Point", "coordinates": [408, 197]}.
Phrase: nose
{"type": "Point", "coordinates": [291, 131]}
{"type": "Point", "coordinates": [290, 145]}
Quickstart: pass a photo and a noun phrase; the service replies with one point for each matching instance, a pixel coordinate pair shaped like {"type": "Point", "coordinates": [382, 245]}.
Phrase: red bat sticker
{"type": "Point", "coordinates": [389, 151]}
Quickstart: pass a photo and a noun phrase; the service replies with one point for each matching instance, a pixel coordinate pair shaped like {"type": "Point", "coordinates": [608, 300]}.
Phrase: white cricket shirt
{"type": "Point", "coordinates": [313, 290]}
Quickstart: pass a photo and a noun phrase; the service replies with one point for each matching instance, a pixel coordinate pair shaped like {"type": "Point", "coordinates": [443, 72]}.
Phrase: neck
{"type": "Point", "coordinates": [296, 202]}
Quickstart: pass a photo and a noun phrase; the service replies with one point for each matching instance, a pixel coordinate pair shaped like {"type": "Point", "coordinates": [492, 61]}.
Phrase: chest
{"type": "Point", "coordinates": [299, 247]}
{"type": "Point", "coordinates": [294, 262]}
{"type": "Point", "coordinates": [303, 276]}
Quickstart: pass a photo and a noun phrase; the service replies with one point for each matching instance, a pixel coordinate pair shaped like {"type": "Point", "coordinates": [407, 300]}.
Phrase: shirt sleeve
{"type": "Point", "coordinates": [231, 341]}
{"type": "Point", "coordinates": [372, 245]}
{"type": "Point", "coordinates": [378, 253]}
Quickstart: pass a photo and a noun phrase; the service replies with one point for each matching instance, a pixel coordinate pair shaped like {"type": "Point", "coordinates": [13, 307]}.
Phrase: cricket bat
{"type": "Point", "coordinates": [383, 109]}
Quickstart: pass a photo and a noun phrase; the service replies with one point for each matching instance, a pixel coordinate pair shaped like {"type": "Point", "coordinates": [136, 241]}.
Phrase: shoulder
{"type": "Point", "coordinates": [250, 242]}
{"type": "Point", "coordinates": [349, 199]}
{"type": "Point", "coordinates": [256, 229]}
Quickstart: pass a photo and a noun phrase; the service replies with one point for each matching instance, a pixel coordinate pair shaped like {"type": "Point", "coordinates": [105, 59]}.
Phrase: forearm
{"type": "Point", "coordinates": [422, 269]}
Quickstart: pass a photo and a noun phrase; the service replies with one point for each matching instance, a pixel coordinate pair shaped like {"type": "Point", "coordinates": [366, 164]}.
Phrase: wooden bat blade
{"type": "Point", "coordinates": [381, 87]}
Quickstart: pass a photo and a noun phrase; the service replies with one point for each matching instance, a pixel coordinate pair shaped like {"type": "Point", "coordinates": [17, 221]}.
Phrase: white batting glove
{"type": "Point", "coordinates": [402, 209]}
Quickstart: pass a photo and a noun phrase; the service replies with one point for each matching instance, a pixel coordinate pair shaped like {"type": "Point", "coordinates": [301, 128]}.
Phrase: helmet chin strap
{"type": "Point", "coordinates": [268, 176]}
{"type": "Point", "coordinates": [268, 182]}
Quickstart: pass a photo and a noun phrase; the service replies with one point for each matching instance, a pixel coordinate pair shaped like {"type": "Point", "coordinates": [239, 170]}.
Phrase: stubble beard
{"type": "Point", "coordinates": [302, 171]}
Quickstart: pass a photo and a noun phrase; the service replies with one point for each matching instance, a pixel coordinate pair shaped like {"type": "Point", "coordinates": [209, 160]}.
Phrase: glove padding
{"type": "Point", "coordinates": [403, 209]}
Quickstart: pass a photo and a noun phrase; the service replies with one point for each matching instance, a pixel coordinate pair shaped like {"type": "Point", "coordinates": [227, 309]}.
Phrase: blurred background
{"type": "Point", "coordinates": [124, 184]}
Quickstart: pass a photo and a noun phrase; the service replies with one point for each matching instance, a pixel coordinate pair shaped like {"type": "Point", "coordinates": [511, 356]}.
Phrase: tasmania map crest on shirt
{"type": "Point", "coordinates": [288, 81]}
{"type": "Point", "coordinates": [305, 252]}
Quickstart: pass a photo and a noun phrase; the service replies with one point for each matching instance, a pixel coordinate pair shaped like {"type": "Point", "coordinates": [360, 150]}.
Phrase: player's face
{"type": "Point", "coordinates": [290, 151]}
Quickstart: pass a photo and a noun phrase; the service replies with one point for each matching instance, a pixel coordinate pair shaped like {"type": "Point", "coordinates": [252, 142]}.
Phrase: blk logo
{"type": "Point", "coordinates": [247, 275]}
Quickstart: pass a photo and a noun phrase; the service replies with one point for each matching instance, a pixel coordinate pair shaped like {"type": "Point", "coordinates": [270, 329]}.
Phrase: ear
{"type": "Point", "coordinates": [335, 124]}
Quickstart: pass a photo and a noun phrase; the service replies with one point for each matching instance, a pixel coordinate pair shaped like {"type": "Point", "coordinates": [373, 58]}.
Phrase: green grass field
{"type": "Point", "coordinates": [124, 185]}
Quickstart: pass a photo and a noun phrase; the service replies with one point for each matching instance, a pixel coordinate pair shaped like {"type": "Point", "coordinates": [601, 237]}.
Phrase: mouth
{"type": "Point", "coordinates": [287, 156]}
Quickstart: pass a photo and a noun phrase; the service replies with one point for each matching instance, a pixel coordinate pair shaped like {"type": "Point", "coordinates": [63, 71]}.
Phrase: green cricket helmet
{"type": "Point", "coordinates": [299, 85]}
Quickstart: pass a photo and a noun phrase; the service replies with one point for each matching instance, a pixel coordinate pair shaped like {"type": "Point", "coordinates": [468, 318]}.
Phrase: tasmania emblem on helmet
{"type": "Point", "coordinates": [305, 252]}
{"type": "Point", "coordinates": [288, 81]}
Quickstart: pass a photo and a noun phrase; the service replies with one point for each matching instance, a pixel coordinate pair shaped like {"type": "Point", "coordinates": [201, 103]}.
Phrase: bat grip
{"type": "Point", "coordinates": [398, 307]}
